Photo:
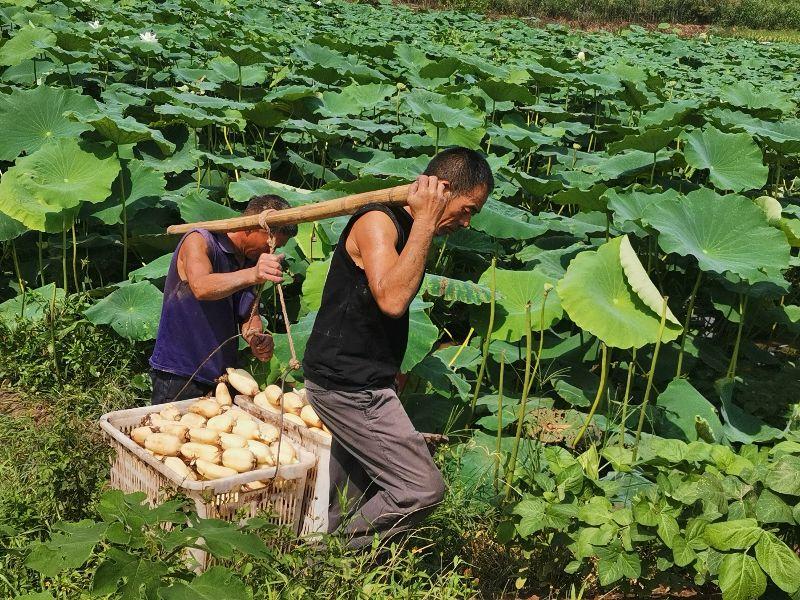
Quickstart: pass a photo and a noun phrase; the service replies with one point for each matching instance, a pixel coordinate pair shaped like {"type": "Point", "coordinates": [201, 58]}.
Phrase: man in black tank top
{"type": "Point", "coordinates": [380, 466]}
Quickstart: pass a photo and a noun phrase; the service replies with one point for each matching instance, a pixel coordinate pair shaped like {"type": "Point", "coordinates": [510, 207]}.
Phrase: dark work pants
{"type": "Point", "coordinates": [379, 463]}
{"type": "Point", "coordinates": [167, 385]}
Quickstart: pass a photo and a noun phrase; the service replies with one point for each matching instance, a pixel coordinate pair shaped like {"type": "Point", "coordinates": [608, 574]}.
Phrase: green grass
{"type": "Point", "coordinates": [754, 14]}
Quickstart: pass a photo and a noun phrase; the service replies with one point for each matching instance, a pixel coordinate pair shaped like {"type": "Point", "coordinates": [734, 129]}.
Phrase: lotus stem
{"type": "Point", "coordinates": [650, 375]}
{"type": "Point", "coordinates": [64, 256]}
{"type": "Point", "coordinates": [512, 464]}
{"type": "Point", "coordinates": [499, 422]}
{"type": "Point", "coordinates": [75, 259]}
{"type": "Point", "coordinates": [486, 342]}
{"type": "Point", "coordinates": [461, 347]}
{"type": "Point", "coordinates": [625, 398]}
{"type": "Point", "coordinates": [41, 260]}
{"type": "Point", "coordinates": [735, 357]}
{"type": "Point", "coordinates": [689, 310]}
{"type": "Point", "coordinates": [653, 170]}
{"type": "Point", "coordinates": [124, 220]}
{"type": "Point", "coordinates": [17, 270]}
{"type": "Point", "coordinates": [600, 390]}
{"type": "Point", "coordinates": [53, 333]}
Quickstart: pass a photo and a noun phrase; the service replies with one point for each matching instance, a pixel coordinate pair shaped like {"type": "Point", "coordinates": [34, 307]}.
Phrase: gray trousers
{"type": "Point", "coordinates": [380, 468]}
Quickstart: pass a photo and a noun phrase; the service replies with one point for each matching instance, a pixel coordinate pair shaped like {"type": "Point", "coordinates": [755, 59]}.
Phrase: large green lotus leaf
{"type": "Point", "coordinates": [17, 202]}
{"type": "Point", "coordinates": [155, 269]}
{"type": "Point", "coordinates": [734, 161]}
{"type": "Point", "coordinates": [404, 168]}
{"type": "Point", "coordinates": [195, 206]}
{"type": "Point", "coordinates": [504, 91]}
{"type": "Point", "coordinates": [669, 114]}
{"type": "Point", "coordinates": [63, 174]}
{"type": "Point", "coordinates": [313, 284]}
{"type": "Point", "coordinates": [10, 228]}
{"type": "Point", "coordinates": [445, 111]}
{"type": "Point", "coordinates": [248, 186]}
{"type": "Point", "coordinates": [640, 282]}
{"type": "Point", "coordinates": [122, 130]}
{"type": "Point", "coordinates": [225, 68]}
{"type": "Point", "coordinates": [628, 208]}
{"type": "Point", "coordinates": [744, 94]}
{"type": "Point", "coordinates": [132, 311]}
{"type": "Point", "coordinates": [422, 334]}
{"type": "Point", "coordinates": [515, 289]}
{"type": "Point", "coordinates": [301, 331]}
{"type": "Point", "coordinates": [502, 220]}
{"type": "Point", "coordinates": [724, 233]}
{"type": "Point", "coordinates": [455, 290]}
{"type": "Point", "coordinates": [597, 297]}
{"type": "Point", "coordinates": [456, 136]}
{"type": "Point", "coordinates": [782, 135]}
{"type": "Point", "coordinates": [680, 404]}
{"type": "Point", "coordinates": [650, 140]}
{"type": "Point", "coordinates": [628, 163]}
{"type": "Point", "coordinates": [231, 161]}
{"type": "Point", "coordinates": [143, 188]}
{"type": "Point", "coordinates": [354, 99]}
{"type": "Point", "coordinates": [30, 118]}
{"type": "Point", "coordinates": [28, 42]}
{"type": "Point", "coordinates": [179, 161]}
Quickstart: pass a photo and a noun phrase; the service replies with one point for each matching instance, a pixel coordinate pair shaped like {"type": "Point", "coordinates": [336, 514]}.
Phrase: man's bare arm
{"type": "Point", "coordinates": [206, 285]}
{"type": "Point", "coordinates": [394, 278]}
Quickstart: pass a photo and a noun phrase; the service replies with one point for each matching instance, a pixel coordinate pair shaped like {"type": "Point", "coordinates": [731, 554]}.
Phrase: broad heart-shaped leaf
{"type": "Point", "coordinates": [680, 403]}
{"type": "Point", "coordinates": [422, 334]}
{"type": "Point", "coordinates": [779, 561]}
{"type": "Point", "coordinates": [724, 233]}
{"type": "Point", "coordinates": [143, 188]}
{"type": "Point", "coordinates": [10, 228]}
{"type": "Point", "coordinates": [132, 311]}
{"type": "Point", "coordinates": [124, 576]}
{"type": "Point", "coordinates": [597, 297]}
{"type": "Point", "coordinates": [28, 42]}
{"type": "Point", "coordinates": [515, 289]}
{"type": "Point", "coordinates": [354, 99]}
{"type": "Point", "coordinates": [30, 118]}
{"type": "Point", "coordinates": [734, 160]}
{"type": "Point", "coordinates": [122, 130]}
{"type": "Point", "coordinates": [628, 208]}
{"type": "Point", "coordinates": [456, 290]}
{"type": "Point", "coordinates": [615, 563]}
{"type": "Point", "coordinates": [740, 578]}
{"type": "Point", "coordinates": [502, 220]}
{"type": "Point", "coordinates": [445, 111]}
{"type": "Point", "coordinates": [62, 174]}
{"type": "Point", "coordinates": [31, 306]}
{"type": "Point", "coordinates": [218, 583]}
{"type": "Point", "coordinates": [784, 475]}
{"type": "Point", "coordinates": [69, 548]}
{"type": "Point", "coordinates": [741, 426]}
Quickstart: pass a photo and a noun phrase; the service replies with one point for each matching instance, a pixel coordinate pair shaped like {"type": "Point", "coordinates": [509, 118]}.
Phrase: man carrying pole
{"type": "Point", "coordinates": [378, 460]}
{"type": "Point", "coordinates": [208, 295]}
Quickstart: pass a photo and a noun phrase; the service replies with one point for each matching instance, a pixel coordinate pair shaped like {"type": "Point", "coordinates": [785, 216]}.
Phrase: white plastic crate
{"type": "Point", "coordinates": [317, 484]}
{"type": "Point", "coordinates": [133, 469]}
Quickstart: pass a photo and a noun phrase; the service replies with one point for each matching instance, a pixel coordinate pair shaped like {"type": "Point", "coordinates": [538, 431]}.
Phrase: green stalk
{"type": "Point", "coordinates": [124, 220]}
{"type": "Point", "coordinates": [653, 170]}
{"type": "Point", "coordinates": [735, 357]}
{"type": "Point", "coordinates": [625, 399]}
{"type": "Point", "coordinates": [437, 140]}
{"type": "Point", "coordinates": [64, 256]}
{"type": "Point", "coordinates": [41, 265]}
{"type": "Point", "coordinates": [598, 395]}
{"type": "Point", "coordinates": [650, 379]}
{"type": "Point", "coordinates": [689, 310]}
{"type": "Point", "coordinates": [53, 334]}
{"type": "Point", "coordinates": [486, 342]}
{"type": "Point", "coordinates": [512, 465]}
{"type": "Point", "coordinates": [499, 422]}
{"type": "Point", "coordinates": [17, 270]}
{"type": "Point", "coordinates": [75, 259]}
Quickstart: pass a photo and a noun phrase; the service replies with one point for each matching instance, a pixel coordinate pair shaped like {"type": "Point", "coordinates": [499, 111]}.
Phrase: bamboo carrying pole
{"type": "Point", "coordinates": [346, 205]}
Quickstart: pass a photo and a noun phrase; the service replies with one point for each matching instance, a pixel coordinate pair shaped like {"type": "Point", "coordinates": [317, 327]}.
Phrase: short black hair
{"type": "Point", "coordinates": [463, 168]}
{"type": "Point", "coordinates": [259, 204]}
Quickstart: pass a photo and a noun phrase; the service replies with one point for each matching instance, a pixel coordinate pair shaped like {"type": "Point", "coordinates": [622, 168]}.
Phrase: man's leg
{"type": "Point", "coordinates": [375, 429]}
{"type": "Point", "coordinates": [350, 486]}
{"type": "Point", "coordinates": [167, 385]}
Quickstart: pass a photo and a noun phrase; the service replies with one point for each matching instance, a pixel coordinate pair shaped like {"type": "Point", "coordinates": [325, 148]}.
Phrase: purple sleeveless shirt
{"type": "Point", "coordinates": [190, 329]}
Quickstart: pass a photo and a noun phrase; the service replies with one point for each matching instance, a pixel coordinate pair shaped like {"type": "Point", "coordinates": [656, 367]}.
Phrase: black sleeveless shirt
{"type": "Point", "coordinates": [353, 344]}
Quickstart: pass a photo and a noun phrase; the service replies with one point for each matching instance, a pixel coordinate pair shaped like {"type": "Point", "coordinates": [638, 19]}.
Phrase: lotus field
{"type": "Point", "coordinates": [611, 346]}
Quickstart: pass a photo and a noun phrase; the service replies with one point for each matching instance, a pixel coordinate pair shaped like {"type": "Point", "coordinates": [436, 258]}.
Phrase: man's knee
{"type": "Point", "coordinates": [432, 493]}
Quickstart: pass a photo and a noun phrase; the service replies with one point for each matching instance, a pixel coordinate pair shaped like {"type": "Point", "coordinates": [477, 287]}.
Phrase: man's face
{"type": "Point", "coordinates": [258, 242]}
{"type": "Point", "coordinates": [460, 210]}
